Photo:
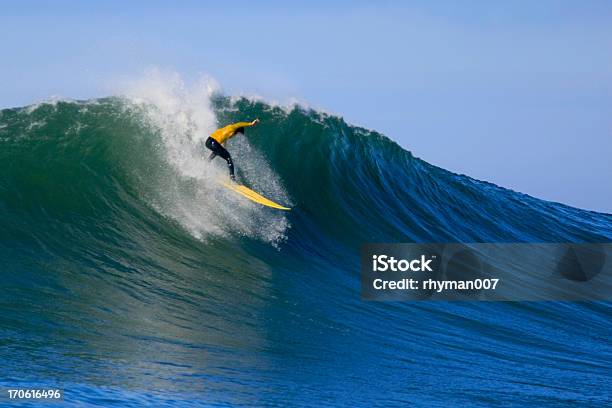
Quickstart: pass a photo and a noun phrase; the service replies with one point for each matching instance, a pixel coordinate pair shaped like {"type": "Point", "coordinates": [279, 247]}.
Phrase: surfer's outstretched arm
{"type": "Point", "coordinates": [236, 126]}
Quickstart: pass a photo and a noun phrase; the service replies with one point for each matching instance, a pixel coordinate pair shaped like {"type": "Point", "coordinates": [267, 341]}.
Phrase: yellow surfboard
{"type": "Point", "coordinates": [253, 196]}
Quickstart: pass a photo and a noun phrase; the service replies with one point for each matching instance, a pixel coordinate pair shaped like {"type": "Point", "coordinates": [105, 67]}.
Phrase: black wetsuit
{"type": "Point", "coordinates": [218, 150]}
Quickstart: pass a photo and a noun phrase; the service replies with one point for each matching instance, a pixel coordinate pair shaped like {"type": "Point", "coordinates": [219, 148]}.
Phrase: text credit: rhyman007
{"type": "Point", "coordinates": [487, 272]}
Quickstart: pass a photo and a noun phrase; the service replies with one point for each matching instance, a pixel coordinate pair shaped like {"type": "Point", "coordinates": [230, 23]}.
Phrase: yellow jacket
{"type": "Point", "coordinates": [222, 135]}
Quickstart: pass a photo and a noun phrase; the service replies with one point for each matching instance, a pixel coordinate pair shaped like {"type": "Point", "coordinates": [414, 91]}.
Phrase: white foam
{"type": "Point", "coordinates": [184, 118]}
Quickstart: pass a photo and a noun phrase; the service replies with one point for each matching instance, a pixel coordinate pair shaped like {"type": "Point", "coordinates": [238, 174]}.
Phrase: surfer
{"type": "Point", "coordinates": [220, 136]}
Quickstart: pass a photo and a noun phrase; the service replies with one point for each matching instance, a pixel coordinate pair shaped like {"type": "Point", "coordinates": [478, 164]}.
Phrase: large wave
{"type": "Point", "coordinates": [122, 254]}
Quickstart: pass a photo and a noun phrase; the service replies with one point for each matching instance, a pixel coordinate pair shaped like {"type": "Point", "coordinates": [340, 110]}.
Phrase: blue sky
{"type": "Point", "coordinates": [518, 93]}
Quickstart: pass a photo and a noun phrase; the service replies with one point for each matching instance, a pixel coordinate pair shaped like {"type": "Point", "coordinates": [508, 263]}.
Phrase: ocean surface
{"type": "Point", "coordinates": [130, 277]}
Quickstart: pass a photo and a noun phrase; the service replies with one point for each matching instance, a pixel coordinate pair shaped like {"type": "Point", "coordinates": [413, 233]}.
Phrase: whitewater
{"type": "Point", "coordinates": [131, 277]}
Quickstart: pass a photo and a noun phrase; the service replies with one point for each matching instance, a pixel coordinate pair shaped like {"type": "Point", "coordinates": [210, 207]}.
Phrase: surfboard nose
{"type": "Point", "coordinates": [253, 195]}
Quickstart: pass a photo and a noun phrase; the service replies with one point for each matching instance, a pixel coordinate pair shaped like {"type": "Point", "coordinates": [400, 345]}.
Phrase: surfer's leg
{"type": "Point", "coordinates": [212, 145]}
{"type": "Point", "coordinates": [218, 150]}
{"type": "Point", "coordinates": [230, 163]}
